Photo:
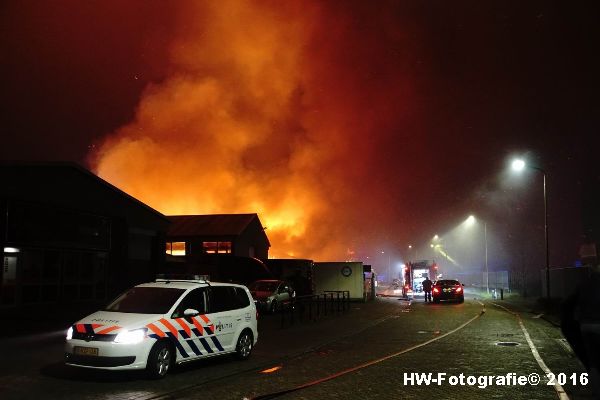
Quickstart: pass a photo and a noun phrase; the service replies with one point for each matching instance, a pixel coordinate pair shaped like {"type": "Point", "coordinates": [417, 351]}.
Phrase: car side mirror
{"type": "Point", "coordinates": [190, 312]}
{"type": "Point", "coordinates": [463, 284]}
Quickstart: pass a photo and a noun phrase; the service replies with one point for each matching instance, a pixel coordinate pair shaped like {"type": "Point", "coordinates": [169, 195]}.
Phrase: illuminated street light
{"type": "Point", "coordinates": [438, 248]}
{"type": "Point", "coordinates": [436, 237]}
{"type": "Point", "coordinates": [518, 165]}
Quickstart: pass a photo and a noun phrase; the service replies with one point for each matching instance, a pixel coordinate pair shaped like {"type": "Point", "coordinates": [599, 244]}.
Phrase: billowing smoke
{"type": "Point", "coordinates": [287, 109]}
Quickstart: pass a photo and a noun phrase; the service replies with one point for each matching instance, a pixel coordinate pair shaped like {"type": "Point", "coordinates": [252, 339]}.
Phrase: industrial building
{"type": "Point", "coordinates": [193, 236]}
{"type": "Point", "coordinates": [68, 236]}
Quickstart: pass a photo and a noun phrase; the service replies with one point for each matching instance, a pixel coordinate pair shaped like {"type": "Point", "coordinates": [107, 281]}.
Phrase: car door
{"type": "Point", "coordinates": [190, 334]}
{"type": "Point", "coordinates": [243, 313]}
{"type": "Point", "coordinates": [222, 313]}
{"type": "Point", "coordinates": [283, 294]}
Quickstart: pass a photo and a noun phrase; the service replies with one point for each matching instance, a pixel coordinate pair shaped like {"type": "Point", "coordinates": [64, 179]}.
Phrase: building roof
{"type": "Point", "coordinates": [32, 173]}
{"type": "Point", "coordinates": [210, 225]}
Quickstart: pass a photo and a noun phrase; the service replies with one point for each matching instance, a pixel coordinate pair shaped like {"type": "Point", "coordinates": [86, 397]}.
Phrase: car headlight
{"type": "Point", "coordinates": [70, 333]}
{"type": "Point", "coordinates": [131, 337]}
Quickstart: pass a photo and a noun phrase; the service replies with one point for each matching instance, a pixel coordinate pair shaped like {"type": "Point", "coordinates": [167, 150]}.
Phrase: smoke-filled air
{"type": "Point", "coordinates": [269, 108]}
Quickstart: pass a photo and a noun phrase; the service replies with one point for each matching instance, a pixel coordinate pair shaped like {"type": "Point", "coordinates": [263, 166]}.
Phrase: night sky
{"type": "Point", "coordinates": [351, 127]}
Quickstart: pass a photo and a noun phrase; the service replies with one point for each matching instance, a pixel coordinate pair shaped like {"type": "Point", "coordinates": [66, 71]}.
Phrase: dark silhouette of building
{"type": "Point", "coordinates": [69, 236]}
{"type": "Point", "coordinates": [193, 236]}
{"type": "Point", "coordinates": [226, 247]}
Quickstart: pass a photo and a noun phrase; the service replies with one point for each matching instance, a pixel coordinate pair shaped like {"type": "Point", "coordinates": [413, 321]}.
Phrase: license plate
{"type": "Point", "coordinates": [85, 351]}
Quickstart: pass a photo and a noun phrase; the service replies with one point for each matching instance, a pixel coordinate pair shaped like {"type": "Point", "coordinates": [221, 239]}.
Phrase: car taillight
{"type": "Point", "coordinates": [436, 290]}
{"type": "Point", "coordinates": [257, 314]}
{"type": "Point", "coordinates": [458, 289]}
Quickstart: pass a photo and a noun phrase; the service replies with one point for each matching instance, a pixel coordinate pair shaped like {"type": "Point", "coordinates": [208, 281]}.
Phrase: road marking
{"type": "Point", "coordinates": [537, 316]}
{"type": "Point", "coordinates": [367, 364]}
{"type": "Point", "coordinates": [562, 395]}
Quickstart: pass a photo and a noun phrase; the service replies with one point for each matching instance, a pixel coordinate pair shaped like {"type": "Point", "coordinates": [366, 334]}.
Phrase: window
{"type": "Point", "coordinates": [194, 300]}
{"type": "Point", "coordinates": [176, 248]}
{"type": "Point", "coordinates": [70, 276]}
{"type": "Point", "coordinates": [264, 286]}
{"type": "Point", "coordinates": [146, 300]}
{"type": "Point", "coordinates": [57, 227]}
{"type": "Point", "coordinates": [223, 298]}
{"type": "Point", "coordinates": [217, 247]}
{"type": "Point", "coordinates": [242, 298]}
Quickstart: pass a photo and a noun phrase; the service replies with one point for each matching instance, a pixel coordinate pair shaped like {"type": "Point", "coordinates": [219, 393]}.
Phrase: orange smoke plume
{"type": "Point", "coordinates": [264, 110]}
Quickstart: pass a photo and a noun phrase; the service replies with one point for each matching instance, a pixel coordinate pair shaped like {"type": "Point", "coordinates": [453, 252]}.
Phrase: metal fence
{"type": "Point", "coordinates": [495, 280]}
{"type": "Point", "coordinates": [314, 307]}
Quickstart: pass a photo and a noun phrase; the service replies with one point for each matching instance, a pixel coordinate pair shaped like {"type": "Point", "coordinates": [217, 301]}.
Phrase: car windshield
{"type": "Point", "coordinates": [264, 286]}
{"type": "Point", "coordinates": [447, 282]}
{"type": "Point", "coordinates": [146, 300]}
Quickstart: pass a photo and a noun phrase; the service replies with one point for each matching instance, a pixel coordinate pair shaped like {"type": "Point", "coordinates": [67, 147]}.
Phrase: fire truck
{"type": "Point", "coordinates": [415, 273]}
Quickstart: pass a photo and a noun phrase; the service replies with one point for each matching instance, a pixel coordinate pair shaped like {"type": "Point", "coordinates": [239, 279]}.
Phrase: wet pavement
{"type": "Point", "coordinates": [368, 333]}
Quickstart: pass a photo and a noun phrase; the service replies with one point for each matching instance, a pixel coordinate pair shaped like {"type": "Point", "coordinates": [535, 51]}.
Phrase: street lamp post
{"type": "Point", "coordinates": [487, 272]}
{"type": "Point", "coordinates": [518, 165]}
{"type": "Point", "coordinates": [413, 254]}
{"type": "Point", "coordinates": [389, 268]}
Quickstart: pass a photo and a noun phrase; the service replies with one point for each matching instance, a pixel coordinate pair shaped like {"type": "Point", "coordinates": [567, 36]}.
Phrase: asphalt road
{"type": "Point", "coordinates": [368, 352]}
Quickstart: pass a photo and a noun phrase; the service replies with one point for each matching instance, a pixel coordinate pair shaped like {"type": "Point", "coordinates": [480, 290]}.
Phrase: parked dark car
{"type": "Point", "coordinates": [272, 295]}
{"type": "Point", "coordinates": [448, 289]}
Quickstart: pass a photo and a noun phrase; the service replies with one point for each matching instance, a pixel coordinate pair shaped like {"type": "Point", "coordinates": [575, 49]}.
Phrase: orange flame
{"type": "Point", "coordinates": [254, 118]}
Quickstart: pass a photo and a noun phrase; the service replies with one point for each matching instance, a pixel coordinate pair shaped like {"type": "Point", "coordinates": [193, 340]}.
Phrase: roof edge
{"type": "Point", "coordinates": [89, 174]}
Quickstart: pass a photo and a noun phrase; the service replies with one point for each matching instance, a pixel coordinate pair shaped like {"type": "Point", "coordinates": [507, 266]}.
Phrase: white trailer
{"type": "Point", "coordinates": [340, 276]}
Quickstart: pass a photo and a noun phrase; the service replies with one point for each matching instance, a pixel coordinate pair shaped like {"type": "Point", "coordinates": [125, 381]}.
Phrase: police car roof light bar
{"type": "Point", "coordinates": [182, 278]}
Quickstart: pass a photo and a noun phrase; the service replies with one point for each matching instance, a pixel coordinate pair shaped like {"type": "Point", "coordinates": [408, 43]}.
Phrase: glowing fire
{"type": "Point", "coordinates": [255, 117]}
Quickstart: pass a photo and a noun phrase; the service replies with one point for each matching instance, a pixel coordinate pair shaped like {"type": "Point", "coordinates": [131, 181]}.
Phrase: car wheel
{"type": "Point", "coordinates": [273, 307]}
{"type": "Point", "coordinates": [159, 360]}
{"type": "Point", "coordinates": [244, 345]}
{"type": "Point", "coordinates": [436, 300]}
{"type": "Point", "coordinates": [461, 300]}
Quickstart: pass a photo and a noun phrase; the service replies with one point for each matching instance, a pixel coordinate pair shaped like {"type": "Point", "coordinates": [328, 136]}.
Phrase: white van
{"type": "Point", "coordinates": [154, 325]}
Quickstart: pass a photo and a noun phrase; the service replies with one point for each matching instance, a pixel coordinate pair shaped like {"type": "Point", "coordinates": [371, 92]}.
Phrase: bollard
{"type": "Point", "coordinates": [331, 302]}
{"type": "Point", "coordinates": [318, 306]}
{"type": "Point", "coordinates": [501, 293]}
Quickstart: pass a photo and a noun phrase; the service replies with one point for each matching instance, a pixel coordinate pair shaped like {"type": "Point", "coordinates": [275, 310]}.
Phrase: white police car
{"type": "Point", "coordinates": [154, 325]}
